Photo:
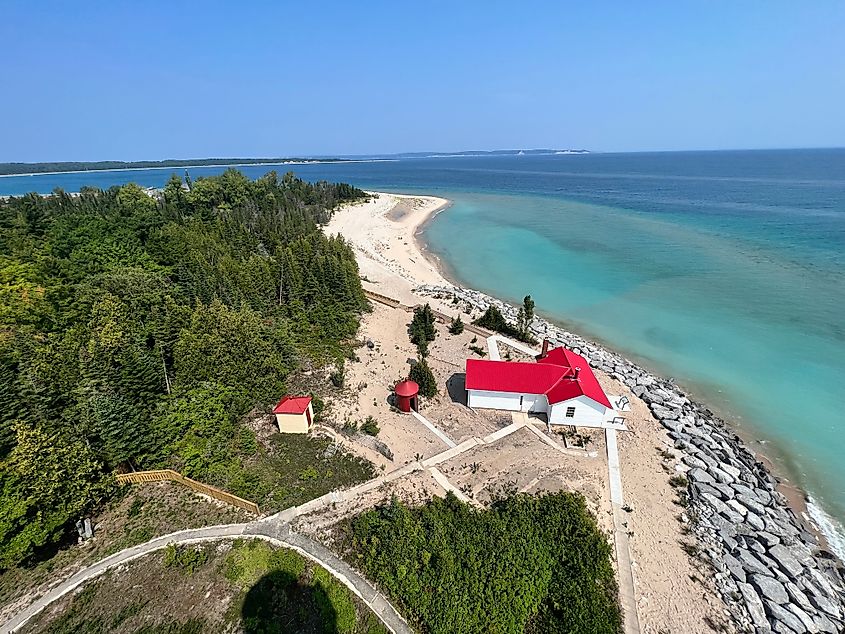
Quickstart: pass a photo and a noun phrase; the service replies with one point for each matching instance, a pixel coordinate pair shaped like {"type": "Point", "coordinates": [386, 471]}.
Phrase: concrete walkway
{"type": "Point", "coordinates": [435, 430]}
{"type": "Point", "coordinates": [493, 347]}
{"type": "Point", "coordinates": [280, 535]}
{"type": "Point", "coordinates": [210, 533]}
{"type": "Point", "coordinates": [277, 528]}
{"type": "Point", "coordinates": [444, 483]}
{"type": "Point", "coordinates": [627, 597]}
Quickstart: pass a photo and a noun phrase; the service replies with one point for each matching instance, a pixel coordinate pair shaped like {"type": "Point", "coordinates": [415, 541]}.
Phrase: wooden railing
{"type": "Point", "coordinates": [384, 299]}
{"type": "Point", "coordinates": [168, 474]}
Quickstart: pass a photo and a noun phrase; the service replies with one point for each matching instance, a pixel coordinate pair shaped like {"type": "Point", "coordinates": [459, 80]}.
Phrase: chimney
{"type": "Point", "coordinates": [545, 351]}
{"type": "Point", "coordinates": [577, 372]}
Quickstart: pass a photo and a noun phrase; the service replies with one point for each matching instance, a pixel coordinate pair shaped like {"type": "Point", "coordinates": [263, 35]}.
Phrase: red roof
{"type": "Point", "coordinates": [552, 376]}
{"type": "Point", "coordinates": [406, 388]}
{"type": "Point", "coordinates": [292, 405]}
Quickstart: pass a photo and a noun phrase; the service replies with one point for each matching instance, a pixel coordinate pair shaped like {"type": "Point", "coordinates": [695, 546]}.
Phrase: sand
{"type": "Point", "coordinates": [673, 590]}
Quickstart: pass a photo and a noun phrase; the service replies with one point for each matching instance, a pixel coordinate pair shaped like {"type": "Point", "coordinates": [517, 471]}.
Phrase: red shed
{"type": "Point", "coordinates": [406, 395]}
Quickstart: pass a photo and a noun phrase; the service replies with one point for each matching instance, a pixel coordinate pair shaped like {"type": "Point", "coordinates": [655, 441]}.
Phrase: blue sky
{"type": "Point", "coordinates": [120, 80]}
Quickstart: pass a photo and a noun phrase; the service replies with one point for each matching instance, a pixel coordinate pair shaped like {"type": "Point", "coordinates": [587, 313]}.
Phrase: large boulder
{"type": "Point", "coordinates": [754, 605]}
{"type": "Point", "coordinates": [786, 561]}
{"type": "Point", "coordinates": [769, 588]}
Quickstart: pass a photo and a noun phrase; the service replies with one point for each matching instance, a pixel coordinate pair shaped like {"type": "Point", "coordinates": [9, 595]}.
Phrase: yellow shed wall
{"type": "Point", "coordinates": [293, 423]}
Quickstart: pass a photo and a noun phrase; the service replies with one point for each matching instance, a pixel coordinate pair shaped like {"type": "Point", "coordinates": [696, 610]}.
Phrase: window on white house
{"type": "Point", "coordinates": [570, 412]}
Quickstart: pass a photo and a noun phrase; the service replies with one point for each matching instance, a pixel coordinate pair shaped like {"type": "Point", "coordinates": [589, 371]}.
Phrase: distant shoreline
{"type": "Point", "coordinates": [196, 166]}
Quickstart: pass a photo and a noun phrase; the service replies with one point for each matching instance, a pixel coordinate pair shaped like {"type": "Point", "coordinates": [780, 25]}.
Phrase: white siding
{"type": "Point", "coordinates": [493, 400]}
{"type": "Point", "coordinates": [535, 403]}
{"type": "Point", "coordinates": [588, 413]}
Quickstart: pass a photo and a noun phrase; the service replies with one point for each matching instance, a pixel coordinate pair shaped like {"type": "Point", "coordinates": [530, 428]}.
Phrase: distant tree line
{"type": "Point", "coordinates": [81, 166]}
{"type": "Point", "coordinates": [136, 331]}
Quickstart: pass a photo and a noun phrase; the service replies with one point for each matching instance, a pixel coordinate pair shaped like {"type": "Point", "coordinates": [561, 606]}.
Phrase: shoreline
{"type": "Point", "coordinates": [749, 522]}
{"type": "Point", "coordinates": [180, 167]}
{"type": "Point", "coordinates": [798, 497]}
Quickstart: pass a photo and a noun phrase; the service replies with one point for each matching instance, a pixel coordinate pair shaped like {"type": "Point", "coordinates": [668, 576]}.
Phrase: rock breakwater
{"type": "Point", "coordinates": [772, 573]}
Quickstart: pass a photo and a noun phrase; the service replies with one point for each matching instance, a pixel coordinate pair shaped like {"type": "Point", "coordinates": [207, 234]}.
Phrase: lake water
{"type": "Point", "coordinates": [725, 270]}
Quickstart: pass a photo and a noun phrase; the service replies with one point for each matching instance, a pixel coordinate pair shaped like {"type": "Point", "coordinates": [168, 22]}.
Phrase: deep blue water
{"type": "Point", "coordinates": [725, 270]}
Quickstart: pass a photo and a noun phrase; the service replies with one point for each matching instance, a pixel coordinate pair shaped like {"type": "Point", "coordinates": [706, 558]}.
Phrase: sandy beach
{"type": "Point", "coordinates": [673, 590]}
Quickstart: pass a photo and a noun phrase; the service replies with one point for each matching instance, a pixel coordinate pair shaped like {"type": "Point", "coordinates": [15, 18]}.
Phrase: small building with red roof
{"type": "Point", "coordinates": [407, 395]}
{"type": "Point", "coordinates": [294, 414]}
{"type": "Point", "coordinates": [560, 384]}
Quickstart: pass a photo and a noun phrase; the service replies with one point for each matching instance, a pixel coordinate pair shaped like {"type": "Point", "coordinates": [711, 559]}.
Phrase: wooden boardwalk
{"type": "Point", "coordinates": [160, 475]}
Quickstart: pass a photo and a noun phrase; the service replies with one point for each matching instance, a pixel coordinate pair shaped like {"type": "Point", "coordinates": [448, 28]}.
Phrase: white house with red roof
{"type": "Point", "coordinates": [560, 384]}
{"type": "Point", "coordinates": [294, 414]}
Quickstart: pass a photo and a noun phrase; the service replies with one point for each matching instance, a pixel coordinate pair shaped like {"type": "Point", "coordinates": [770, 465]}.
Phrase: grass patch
{"type": "Point", "coordinates": [139, 514]}
{"type": "Point", "coordinates": [247, 586]}
{"type": "Point", "coordinates": [297, 468]}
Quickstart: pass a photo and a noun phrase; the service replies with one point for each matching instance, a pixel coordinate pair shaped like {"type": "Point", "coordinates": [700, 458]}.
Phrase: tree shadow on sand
{"type": "Point", "coordinates": [279, 603]}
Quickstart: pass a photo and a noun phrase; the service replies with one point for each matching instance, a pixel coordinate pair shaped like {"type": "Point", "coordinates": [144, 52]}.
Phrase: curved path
{"type": "Point", "coordinates": [276, 533]}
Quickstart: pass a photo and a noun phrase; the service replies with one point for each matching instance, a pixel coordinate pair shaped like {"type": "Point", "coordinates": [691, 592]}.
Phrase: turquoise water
{"type": "Point", "coordinates": [725, 270]}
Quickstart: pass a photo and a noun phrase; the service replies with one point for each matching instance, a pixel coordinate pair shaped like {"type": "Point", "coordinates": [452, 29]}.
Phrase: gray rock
{"type": "Point", "coordinates": [699, 475]}
{"type": "Point", "coordinates": [785, 617]}
{"type": "Point", "coordinates": [824, 624]}
{"type": "Point", "coordinates": [824, 604]}
{"type": "Point", "coordinates": [700, 488]}
{"type": "Point", "coordinates": [752, 564]}
{"type": "Point", "coordinates": [751, 503]}
{"type": "Point", "coordinates": [692, 461]}
{"type": "Point", "coordinates": [732, 516]}
{"type": "Point", "coordinates": [651, 397]}
{"type": "Point", "coordinates": [755, 522]}
{"type": "Point", "coordinates": [797, 597]}
{"type": "Point", "coordinates": [717, 504]}
{"type": "Point", "coordinates": [739, 508]}
{"type": "Point", "coordinates": [663, 413]}
{"type": "Point", "coordinates": [770, 589]}
{"type": "Point", "coordinates": [785, 560]}
{"type": "Point", "coordinates": [722, 476]}
{"type": "Point", "coordinates": [802, 616]}
{"type": "Point", "coordinates": [734, 567]}
{"type": "Point", "coordinates": [767, 538]}
{"type": "Point", "coordinates": [730, 469]}
{"type": "Point", "coordinates": [754, 605]}
{"type": "Point", "coordinates": [725, 490]}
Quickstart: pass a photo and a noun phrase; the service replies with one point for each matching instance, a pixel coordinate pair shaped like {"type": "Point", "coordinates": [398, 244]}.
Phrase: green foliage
{"type": "Point", "coordinates": [136, 330]}
{"type": "Point", "coordinates": [370, 426]}
{"type": "Point", "coordinates": [528, 563]}
{"type": "Point", "coordinates": [287, 593]}
{"type": "Point", "coordinates": [422, 375]}
{"type": "Point", "coordinates": [481, 352]}
{"type": "Point", "coordinates": [422, 329]}
{"type": "Point", "coordinates": [187, 558]}
{"type": "Point", "coordinates": [492, 319]}
{"type": "Point", "coordinates": [47, 481]}
{"type": "Point", "coordinates": [199, 435]}
{"type": "Point", "coordinates": [456, 326]}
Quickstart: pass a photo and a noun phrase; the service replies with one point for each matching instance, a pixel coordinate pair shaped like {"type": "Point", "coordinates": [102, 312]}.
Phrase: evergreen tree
{"type": "Point", "coordinates": [457, 326]}
{"type": "Point", "coordinates": [422, 375]}
{"type": "Point", "coordinates": [47, 481]}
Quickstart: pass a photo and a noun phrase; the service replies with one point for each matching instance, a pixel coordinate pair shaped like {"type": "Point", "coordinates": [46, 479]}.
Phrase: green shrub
{"type": "Point", "coordinates": [187, 558]}
{"type": "Point", "coordinates": [457, 326]}
{"type": "Point", "coordinates": [537, 564]}
{"type": "Point", "coordinates": [370, 426]}
{"type": "Point", "coordinates": [422, 375]}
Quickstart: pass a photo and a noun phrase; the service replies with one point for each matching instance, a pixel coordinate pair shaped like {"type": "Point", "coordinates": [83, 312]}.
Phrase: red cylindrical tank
{"type": "Point", "coordinates": [406, 395]}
